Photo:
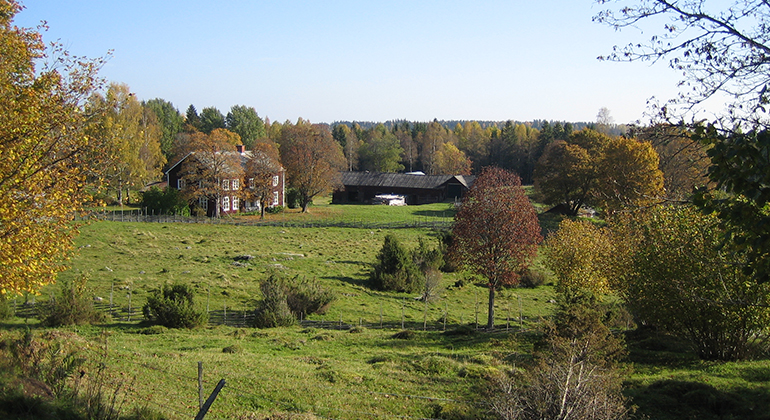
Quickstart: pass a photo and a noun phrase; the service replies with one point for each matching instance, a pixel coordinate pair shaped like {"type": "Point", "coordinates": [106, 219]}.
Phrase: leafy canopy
{"type": "Point", "coordinates": [46, 154]}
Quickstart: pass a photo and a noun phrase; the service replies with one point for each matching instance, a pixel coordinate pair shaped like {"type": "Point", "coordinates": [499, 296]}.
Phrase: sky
{"type": "Point", "coordinates": [370, 60]}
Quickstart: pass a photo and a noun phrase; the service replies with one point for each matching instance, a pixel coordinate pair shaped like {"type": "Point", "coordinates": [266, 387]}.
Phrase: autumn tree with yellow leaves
{"type": "Point", "coordinates": [45, 153]}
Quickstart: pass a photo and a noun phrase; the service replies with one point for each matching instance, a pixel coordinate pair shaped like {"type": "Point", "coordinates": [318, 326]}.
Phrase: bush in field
{"type": "Point", "coordinates": [574, 376]}
{"type": "Point", "coordinates": [678, 275]}
{"type": "Point", "coordinates": [285, 300]}
{"type": "Point", "coordinates": [273, 310]}
{"type": "Point", "coordinates": [533, 278]}
{"type": "Point", "coordinates": [166, 201]}
{"type": "Point", "coordinates": [72, 306]}
{"type": "Point", "coordinates": [173, 307]}
{"type": "Point", "coordinates": [395, 268]}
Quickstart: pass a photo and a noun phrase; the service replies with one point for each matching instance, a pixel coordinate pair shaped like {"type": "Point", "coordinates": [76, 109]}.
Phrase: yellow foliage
{"type": "Point", "coordinates": [578, 253]}
{"type": "Point", "coordinates": [45, 155]}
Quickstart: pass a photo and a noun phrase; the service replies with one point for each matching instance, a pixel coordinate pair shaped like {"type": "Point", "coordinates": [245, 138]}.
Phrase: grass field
{"type": "Point", "coordinates": [342, 364]}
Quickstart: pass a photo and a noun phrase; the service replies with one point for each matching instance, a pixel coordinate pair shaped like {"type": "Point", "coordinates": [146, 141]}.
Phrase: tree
{"type": "Point", "coordinates": [170, 120]}
{"type": "Point", "coordinates": [496, 231]}
{"type": "Point", "coordinates": [312, 160]}
{"type": "Point", "coordinates": [430, 141]}
{"type": "Point", "coordinates": [395, 268]}
{"type": "Point", "coordinates": [211, 119]}
{"type": "Point", "coordinates": [132, 137]}
{"type": "Point", "coordinates": [740, 170]}
{"type": "Point", "coordinates": [380, 151]}
{"type": "Point", "coordinates": [212, 160]}
{"type": "Point", "coordinates": [245, 122]}
{"type": "Point", "coordinates": [628, 175]}
{"type": "Point", "coordinates": [575, 376]}
{"type": "Point", "coordinates": [577, 253]}
{"type": "Point", "coordinates": [683, 159]}
{"type": "Point", "coordinates": [716, 50]}
{"type": "Point", "coordinates": [595, 169]}
{"type": "Point", "coordinates": [192, 119]}
{"type": "Point", "coordinates": [450, 160]}
{"type": "Point", "coordinates": [676, 274]}
{"type": "Point", "coordinates": [474, 142]}
{"type": "Point", "coordinates": [262, 164]}
{"type": "Point", "coordinates": [45, 153]}
{"type": "Point", "coordinates": [564, 174]}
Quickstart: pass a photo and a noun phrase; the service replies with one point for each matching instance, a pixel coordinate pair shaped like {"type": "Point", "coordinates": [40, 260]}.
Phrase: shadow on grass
{"type": "Point", "coordinates": [678, 399]}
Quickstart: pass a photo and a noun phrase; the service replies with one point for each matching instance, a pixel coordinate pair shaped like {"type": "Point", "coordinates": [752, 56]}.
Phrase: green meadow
{"type": "Point", "coordinates": [371, 355]}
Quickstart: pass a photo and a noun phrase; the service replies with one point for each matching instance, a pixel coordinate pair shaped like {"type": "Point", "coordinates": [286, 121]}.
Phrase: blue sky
{"type": "Point", "coordinates": [374, 60]}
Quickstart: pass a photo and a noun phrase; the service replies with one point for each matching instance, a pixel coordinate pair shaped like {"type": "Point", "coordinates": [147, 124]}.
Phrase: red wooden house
{"type": "Point", "coordinates": [225, 189]}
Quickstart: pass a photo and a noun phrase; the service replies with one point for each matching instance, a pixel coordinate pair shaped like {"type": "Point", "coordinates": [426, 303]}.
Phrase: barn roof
{"type": "Point", "coordinates": [398, 180]}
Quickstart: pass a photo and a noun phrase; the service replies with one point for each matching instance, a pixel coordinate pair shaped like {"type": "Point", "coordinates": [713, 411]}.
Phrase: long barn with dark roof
{"type": "Point", "coordinates": [361, 187]}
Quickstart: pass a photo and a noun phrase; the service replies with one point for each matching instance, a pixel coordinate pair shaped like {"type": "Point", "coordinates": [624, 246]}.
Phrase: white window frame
{"type": "Point", "coordinates": [226, 184]}
{"type": "Point", "coordinates": [180, 183]}
{"type": "Point", "coordinates": [204, 203]}
{"type": "Point", "coordinates": [275, 180]}
{"type": "Point", "coordinates": [235, 204]}
{"type": "Point", "coordinates": [251, 183]}
{"type": "Point", "coordinates": [225, 203]}
{"type": "Point", "coordinates": [235, 184]}
{"type": "Point", "coordinates": [275, 198]}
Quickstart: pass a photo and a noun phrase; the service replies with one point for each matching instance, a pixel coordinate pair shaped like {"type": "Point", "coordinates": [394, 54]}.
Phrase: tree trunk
{"type": "Point", "coordinates": [491, 318]}
{"type": "Point", "coordinates": [305, 203]}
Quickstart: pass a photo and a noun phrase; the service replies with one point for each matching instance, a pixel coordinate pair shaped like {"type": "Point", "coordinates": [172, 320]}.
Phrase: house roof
{"type": "Point", "coordinates": [398, 180]}
{"type": "Point", "coordinates": [245, 156]}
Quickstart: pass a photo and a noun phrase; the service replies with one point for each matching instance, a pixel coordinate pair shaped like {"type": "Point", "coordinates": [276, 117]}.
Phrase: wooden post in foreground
{"type": "Point", "coordinates": [205, 409]}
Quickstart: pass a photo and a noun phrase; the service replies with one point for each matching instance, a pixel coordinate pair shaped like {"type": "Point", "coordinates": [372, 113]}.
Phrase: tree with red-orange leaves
{"type": "Point", "coordinates": [496, 231]}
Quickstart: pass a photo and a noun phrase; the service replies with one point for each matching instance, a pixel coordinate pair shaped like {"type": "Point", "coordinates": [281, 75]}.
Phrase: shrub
{"type": "Point", "coordinates": [73, 306]}
{"type": "Point", "coordinates": [293, 198]}
{"type": "Point", "coordinates": [274, 209]}
{"type": "Point", "coordinates": [575, 342]}
{"type": "Point", "coordinates": [166, 201]}
{"type": "Point", "coordinates": [173, 307]}
{"type": "Point", "coordinates": [532, 279]}
{"type": "Point", "coordinates": [286, 300]}
{"type": "Point", "coordinates": [680, 276]}
{"type": "Point", "coordinates": [307, 296]}
{"type": "Point", "coordinates": [273, 310]}
{"type": "Point", "coordinates": [395, 269]}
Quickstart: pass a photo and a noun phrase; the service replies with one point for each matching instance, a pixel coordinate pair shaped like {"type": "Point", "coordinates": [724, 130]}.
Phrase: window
{"type": "Point", "coordinates": [275, 180]}
{"type": "Point", "coordinates": [275, 198]}
{"type": "Point", "coordinates": [226, 184]}
{"type": "Point", "coordinates": [203, 202]}
{"type": "Point", "coordinates": [235, 203]}
{"type": "Point", "coordinates": [180, 183]}
{"type": "Point", "coordinates": [226, 204]}
{"type": "Point", "coordinates": [236, 184]}
{"type": "Point", "coordinates": [251, 183]}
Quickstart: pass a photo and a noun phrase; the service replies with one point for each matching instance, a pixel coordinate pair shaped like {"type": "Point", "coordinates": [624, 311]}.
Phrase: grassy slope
{"type": "Point", "coordinates": [358, 373]}
{"type": "Point", "coordinates": [335, 373]}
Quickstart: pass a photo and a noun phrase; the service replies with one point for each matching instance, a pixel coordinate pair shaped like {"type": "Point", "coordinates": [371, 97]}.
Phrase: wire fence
{"type": "Point", "coordinates": [431, 222]}
{"type": "Point", "coordinates": [413, 315]}
{"type": "Point", "coordinates": [177, 395]}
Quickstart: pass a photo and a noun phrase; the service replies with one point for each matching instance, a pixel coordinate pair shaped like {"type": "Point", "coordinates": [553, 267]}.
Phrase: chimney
{"type": "Point", "coordinates": [240, 148]}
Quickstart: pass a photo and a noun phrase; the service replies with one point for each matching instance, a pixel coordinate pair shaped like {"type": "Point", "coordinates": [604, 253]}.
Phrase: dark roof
{"type": "Point", "coordinates": [391, 180]}
{"type": "Point", "coordinates": [244, 158]}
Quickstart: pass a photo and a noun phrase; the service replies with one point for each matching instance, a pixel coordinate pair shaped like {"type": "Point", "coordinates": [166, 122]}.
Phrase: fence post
{"type": "Point", "coordinates": [129, 305]}
{"type": "Point", "coordinates": [205, 409]}
{"type": "Point", "coordinates": [200, 385]}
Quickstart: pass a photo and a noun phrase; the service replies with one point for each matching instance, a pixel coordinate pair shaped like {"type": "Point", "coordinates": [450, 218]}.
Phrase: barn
{"type": "Point", "coordinates": [362, 187]}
